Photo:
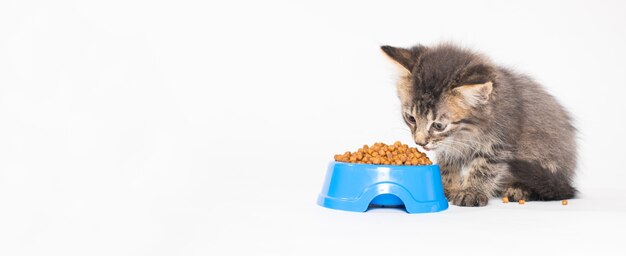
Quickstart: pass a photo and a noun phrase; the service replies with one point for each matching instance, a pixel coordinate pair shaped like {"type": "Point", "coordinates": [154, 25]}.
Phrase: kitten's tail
{"type": "Point", "coordinates": [546, 185]}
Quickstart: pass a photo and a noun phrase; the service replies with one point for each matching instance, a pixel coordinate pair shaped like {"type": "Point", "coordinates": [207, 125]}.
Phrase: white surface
{"type": "Point", "coordinates": [196, 128]}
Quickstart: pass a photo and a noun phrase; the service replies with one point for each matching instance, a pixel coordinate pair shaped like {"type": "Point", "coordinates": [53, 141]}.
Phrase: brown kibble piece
{"type": "Point", "coordinates": [564, 202]}
{"type": "Point", "coordinates": [522, 201]}
{"type": "Point", "coordinates": [380, 153]}
{"type": "Point", "coordinates": [505, 199]}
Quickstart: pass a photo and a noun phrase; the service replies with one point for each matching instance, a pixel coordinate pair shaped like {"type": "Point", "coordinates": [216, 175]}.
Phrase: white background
{"type": "Point", "coordinates": [202, 128]}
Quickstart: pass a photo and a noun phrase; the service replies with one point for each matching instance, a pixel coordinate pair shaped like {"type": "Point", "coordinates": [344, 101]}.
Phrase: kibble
{"type": "Point", "coordinates": [505, 199]}
{"type": "Point", "coordinates": [522, 201]}
{"type": "Point", "coordinates": [564, 202]}
{"type": "Point", "coordinates": [381, 153]}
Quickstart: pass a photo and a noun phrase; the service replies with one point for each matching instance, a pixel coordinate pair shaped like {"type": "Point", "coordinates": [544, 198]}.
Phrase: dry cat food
{"type": "Point", "coordinates": [381, 153]}
{"type": "Point", "coordinates": [505, 199]}
{"type": "Point", "coordinates": [522, 201]}
{"type": "Point", "coordinates": [564, 202]}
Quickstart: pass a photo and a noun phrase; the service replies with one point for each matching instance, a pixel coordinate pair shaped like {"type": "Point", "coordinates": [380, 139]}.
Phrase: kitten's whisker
{"type": "Point", "coordinates": [450, 145]}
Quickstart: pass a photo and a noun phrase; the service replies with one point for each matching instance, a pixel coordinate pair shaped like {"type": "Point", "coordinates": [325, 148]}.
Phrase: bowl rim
{"type": "Point", "coordinates": [383, 165]}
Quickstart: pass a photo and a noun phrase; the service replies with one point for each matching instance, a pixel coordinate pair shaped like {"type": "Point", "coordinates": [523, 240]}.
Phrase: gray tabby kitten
{"type": "Point", "coordinates": [494, 132]}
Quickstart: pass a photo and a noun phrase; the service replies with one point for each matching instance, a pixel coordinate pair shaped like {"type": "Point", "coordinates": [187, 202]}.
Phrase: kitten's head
{"type": "Point", "coordinates": [445, 92]}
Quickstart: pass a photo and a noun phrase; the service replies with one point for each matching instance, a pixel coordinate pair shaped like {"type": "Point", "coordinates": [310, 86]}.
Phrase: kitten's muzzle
{"type": "Point", "coordinates": [420, 138]}
{"type": "Point", "coordinates": [423, 145]}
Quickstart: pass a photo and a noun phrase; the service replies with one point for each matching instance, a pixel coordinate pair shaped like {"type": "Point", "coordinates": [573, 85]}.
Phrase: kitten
{"type": "Point", "coordinates": [494, 132]}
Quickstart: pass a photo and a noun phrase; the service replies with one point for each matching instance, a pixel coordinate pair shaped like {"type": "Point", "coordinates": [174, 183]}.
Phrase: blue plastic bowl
{"type": "Point", "coordinates": [354, 187]}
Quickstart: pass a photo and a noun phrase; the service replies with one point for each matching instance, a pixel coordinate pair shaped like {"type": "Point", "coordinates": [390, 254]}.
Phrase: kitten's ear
{"type": "Point", "coordinates": [405, 57]}
{"type": "Point", "coordinates": [474, 94]}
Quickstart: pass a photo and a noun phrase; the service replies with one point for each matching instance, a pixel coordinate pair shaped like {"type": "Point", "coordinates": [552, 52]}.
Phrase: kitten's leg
{"type": "Point", "coordinates": [516, 192]}
{"type": "Point", "coordinates": [451, 179]}
{"type": "Point", "coordinates": [479, 182]}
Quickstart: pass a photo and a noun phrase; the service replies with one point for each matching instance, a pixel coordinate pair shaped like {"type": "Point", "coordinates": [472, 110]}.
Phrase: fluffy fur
{"type": "Point", "coordinates": [494, 132]}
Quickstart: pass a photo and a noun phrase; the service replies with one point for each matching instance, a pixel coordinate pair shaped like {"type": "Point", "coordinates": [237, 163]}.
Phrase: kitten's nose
{"type": "Point", "coordinates": [421, 143]}
{"type": "Point", "coordinates": [420, 139]}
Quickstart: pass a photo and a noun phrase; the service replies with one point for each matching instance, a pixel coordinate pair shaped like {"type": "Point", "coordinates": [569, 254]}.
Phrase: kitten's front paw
{"type": "Point", "coordinates": [469, 198]}
{"type": "Point", "coordinates": [516, 193]}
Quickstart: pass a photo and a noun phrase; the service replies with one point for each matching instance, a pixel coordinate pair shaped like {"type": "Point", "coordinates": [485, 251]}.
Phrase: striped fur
{"type": "Point", "coordinates": [495, 132]}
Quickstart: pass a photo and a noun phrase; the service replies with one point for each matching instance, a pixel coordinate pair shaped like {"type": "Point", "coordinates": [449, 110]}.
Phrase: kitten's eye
{"type": "Point", "coordinates": [410, 118]}
{"type": "Point", "coordinates": [438, 126]}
